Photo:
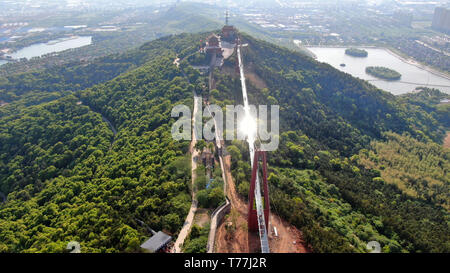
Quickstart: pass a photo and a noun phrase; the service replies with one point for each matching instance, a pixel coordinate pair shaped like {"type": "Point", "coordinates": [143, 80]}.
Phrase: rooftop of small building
{"type": "Point", "coordinates": [156, 242]}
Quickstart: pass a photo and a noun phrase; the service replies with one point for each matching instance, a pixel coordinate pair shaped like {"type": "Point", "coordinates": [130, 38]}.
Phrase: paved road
{"type": "Point", "coordinates": [195, 156]}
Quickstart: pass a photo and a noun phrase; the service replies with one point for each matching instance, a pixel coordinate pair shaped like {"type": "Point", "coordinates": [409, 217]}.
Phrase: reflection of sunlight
{"type": "Point", "coordinates": [248, 126]}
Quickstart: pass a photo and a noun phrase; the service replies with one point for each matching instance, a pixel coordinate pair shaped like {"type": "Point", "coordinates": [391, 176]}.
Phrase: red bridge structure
{"type": "Point", "coordinates": [252, 204]}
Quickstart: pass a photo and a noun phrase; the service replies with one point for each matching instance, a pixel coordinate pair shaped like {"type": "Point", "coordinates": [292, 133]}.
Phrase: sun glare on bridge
{"type": "Point", "coordinates": [248, 126]}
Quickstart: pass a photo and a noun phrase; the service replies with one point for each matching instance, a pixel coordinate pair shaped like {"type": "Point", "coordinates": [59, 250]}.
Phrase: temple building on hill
{"type": "Point", "coordinates": [213, 45]}
{"type": "Point", "coordinates": [229, 34]}
{"type": "Point", "coordinates": [228, 31]}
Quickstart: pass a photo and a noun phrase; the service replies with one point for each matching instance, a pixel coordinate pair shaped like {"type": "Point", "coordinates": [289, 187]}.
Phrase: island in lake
{"type": "Point", "coordinates": [383, 73]}
{"type": "Point", "coordinates": [355, 52]}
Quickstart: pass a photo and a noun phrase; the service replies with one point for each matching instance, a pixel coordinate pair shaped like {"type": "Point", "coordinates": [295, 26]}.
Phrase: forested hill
{"type": "Point", "coordinates": [68, 177]}
{"type": "Point", "coordinates": [45, 85]}
{"type": "Point", "coordinates": [318, 181]}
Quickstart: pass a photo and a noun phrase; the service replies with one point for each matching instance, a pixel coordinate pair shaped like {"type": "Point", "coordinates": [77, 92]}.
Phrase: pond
{"type": "Point", "coordinates": [412, 75]}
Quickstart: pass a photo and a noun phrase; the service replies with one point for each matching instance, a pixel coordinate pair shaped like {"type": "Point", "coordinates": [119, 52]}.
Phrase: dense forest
{"type": "Point", "coordinates": [86, 153]}
{"type": "Point", "coordinates": [419, 169]}
{"type": "Point", "coordinates": [68, 177]}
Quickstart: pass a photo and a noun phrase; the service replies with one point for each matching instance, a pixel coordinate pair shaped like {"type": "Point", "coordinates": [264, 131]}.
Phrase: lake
{"type": "Point", "coordinates": [40, 49]}
{"type": "Point", "coordinates": [412, 76]}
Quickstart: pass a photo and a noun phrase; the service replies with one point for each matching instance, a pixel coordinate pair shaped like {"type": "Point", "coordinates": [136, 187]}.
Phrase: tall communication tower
{"type": "Point", "coordinates": [227, 17]}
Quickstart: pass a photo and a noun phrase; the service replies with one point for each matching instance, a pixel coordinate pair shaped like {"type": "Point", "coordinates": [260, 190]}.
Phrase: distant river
{"type": "Point", "coordinates": [412, 76]}
{"type": "Point", "coordinates": [40, 49]}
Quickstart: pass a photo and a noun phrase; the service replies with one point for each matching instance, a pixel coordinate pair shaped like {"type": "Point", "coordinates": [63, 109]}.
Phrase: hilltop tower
{"type": "Point", "coordinates": [228, 31]}
{"type": "Point", "coordinates": [227, 17]}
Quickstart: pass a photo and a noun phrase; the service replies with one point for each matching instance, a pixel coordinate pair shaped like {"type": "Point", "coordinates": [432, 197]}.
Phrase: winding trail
{"type": "Point", "coordinates": [111, 126]}
{"type": "Point", "coordinates": [194, 158]}
{"type": "Point", "coordinates": [113, 129]}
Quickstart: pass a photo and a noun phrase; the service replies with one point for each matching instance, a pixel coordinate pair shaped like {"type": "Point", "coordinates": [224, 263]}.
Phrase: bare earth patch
{"type": "Point", "coordinates": [250, 74]}
{"type": "Point", "coordinates": [447, 140]}
{"type": "Point", "coordinates": [201, 217]}
{"type": "Point", "coordinates": [254, 78]}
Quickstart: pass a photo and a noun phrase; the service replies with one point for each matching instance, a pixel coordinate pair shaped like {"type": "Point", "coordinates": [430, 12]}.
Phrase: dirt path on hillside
{"type": "Point", "coordinates": [238, 241]}
{"type": "Point", "coordinates": [289, 238]}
